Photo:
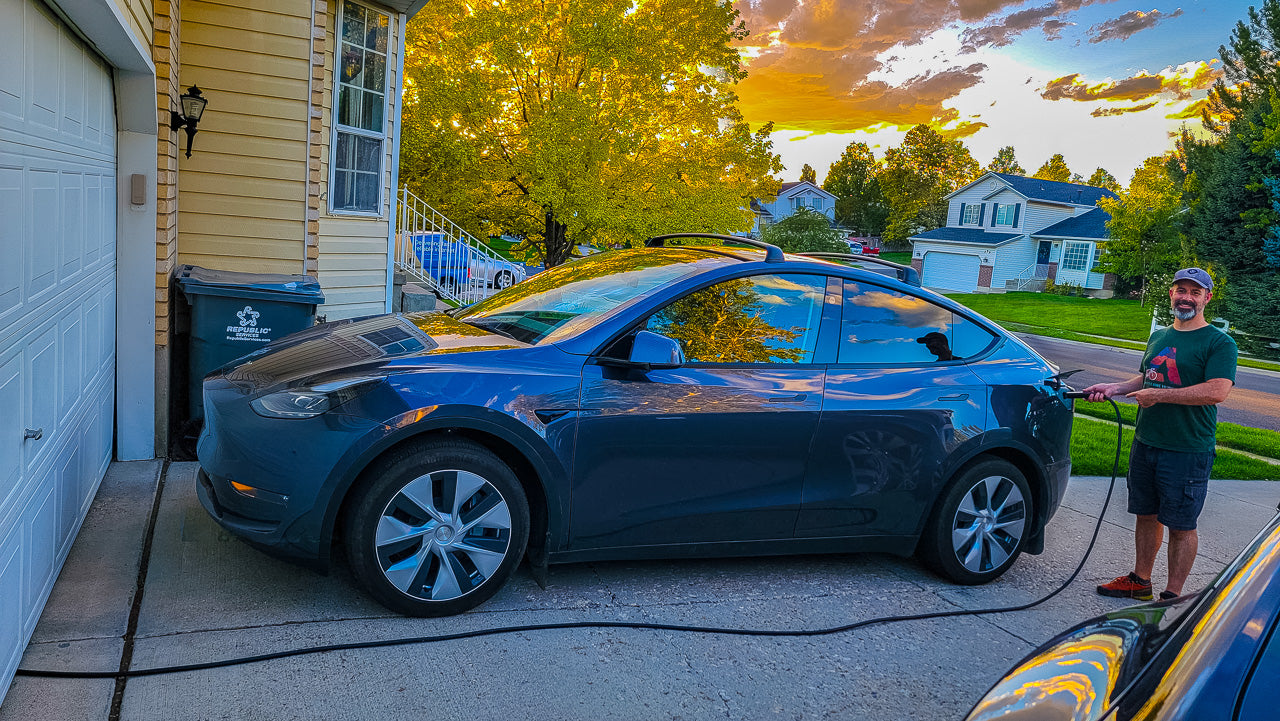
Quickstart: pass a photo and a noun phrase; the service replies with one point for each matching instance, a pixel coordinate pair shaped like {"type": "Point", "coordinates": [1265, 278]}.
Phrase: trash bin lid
{"type": "Point", "coordinates": [267, 286]}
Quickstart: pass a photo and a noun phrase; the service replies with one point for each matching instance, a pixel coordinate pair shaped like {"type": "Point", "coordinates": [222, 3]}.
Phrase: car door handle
{"type": "Point", "coordinates": [956, 397]}
{"type": "Point", "coordinates": [788, 399]}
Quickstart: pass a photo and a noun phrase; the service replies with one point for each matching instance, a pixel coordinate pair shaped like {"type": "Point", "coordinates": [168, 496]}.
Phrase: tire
{"type": "Point", "coordinates": [980, 524]}
{"type": "Point", "coordinates": [503, 280]}
{"type": "Point", "coordinates": [422, 548]}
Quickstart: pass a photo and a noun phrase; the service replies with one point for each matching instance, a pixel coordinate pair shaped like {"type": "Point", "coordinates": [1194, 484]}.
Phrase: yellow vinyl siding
{"type": "Point", "coordinates": [353, 266]}
{"type": "Point", "coordinates": [140, 14]}
{"type": "Point", "coordinates": [242, 195]}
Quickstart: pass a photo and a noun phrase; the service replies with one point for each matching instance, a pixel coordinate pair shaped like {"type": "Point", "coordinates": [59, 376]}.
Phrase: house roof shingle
{"type": "Point", "coordinates": [965, 235]}
{"type": "Point", "coordinates": [1091, 225]}
{"type": "Point", "coordinates": [1054, 191]}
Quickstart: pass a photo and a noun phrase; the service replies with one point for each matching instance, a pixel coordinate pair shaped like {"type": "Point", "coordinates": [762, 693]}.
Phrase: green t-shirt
{"type": "Point", "coordinates": [1177, 359]}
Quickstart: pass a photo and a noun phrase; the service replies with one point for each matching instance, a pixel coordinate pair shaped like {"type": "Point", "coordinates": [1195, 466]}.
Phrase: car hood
{"type": "Point", "coordinates": [359, 346]}
{"type": "Point", "coordinates": [1154, 662]}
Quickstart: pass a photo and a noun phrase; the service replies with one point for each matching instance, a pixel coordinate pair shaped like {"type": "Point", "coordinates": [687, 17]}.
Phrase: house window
{"type": "Point", "coordinates": [1004, 214]}
{"type": "Point", "coordinates": [1097, 257]}
{"type": "Point", "coordinates": [817, 204]}
{"type": "Point", "coordinates": [799, 203]}
{"type": "Point", "coordinates": [971, 214]}
{"type": "Point", "coordinates": [359, 127]}
{"type": "Point", "coordinates": [1076, 256]}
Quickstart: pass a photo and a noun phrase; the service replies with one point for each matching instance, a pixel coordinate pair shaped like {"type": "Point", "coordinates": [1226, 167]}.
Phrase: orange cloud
{"type": "Point", "coordinates": [1046, 17]}
{"type": "Point", "coordinates": [1105, 112]}
{"type": "Point", "coordinates": [963, 130]}
{"type": "Point", "coordinates": [1192, 111]}
{"type": "Point", "coordinates": [1176, 82]}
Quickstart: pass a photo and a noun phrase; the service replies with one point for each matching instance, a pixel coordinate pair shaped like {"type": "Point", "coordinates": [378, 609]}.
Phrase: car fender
{"type": "Point", "coordinates": [1001, 442]}
{"type": "Point", "coordinates": [533, 447]}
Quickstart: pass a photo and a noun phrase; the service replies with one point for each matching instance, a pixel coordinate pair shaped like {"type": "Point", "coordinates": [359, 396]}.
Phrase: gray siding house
{"type": "Point", "coordinates": [792, 197]}
{"type": "Point", "coordinates": [1010, 232]}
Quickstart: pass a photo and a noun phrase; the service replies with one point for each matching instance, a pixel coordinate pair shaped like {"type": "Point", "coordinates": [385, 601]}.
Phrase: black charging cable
{"type": "Point", "coordinates": [799, 633]}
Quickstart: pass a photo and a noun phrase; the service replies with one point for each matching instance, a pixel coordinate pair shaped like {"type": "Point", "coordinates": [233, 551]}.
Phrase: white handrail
{"type": "Point", "coordinates": [440, 253]}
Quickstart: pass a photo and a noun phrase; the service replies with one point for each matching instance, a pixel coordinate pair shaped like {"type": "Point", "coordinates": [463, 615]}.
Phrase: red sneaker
{"type": "Point", "coordinates": [1129, 586]}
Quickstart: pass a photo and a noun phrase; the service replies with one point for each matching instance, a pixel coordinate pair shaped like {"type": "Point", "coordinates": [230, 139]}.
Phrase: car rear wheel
{"type": "Point", "coordinates": [978, 527]}
{"type": "Point", "coordinates": [437, 528]}
{"type": "Point", "coordinates": [503, 280]}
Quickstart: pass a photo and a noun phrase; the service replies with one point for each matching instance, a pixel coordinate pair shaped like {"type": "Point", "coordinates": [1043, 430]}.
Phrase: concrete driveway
{"type": "Point", "coordinates": [207, 596]}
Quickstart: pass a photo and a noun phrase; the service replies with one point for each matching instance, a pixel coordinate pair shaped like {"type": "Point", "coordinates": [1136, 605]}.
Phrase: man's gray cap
{"type": "Point", "coordinates": [1195, 275]}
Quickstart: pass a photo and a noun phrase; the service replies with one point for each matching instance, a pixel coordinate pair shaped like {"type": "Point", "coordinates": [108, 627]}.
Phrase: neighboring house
{"type": "Point", "coordinates": [1009, 232]}
{"type": "Point", "coordinates": [792, 197]}
{"type": "Point", "coordinates": [291, 171]}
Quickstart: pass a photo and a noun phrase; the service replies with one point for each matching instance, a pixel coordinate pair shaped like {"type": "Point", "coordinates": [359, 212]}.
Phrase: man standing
{"type": "Point", "coordinates": [1186, 371]}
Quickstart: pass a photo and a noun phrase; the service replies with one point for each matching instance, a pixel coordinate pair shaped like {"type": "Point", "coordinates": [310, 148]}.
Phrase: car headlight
{"type": "Point", "coordinates": [310, 402]}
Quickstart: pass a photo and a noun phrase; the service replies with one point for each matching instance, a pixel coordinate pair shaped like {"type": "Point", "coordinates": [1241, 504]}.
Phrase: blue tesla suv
{"type": "Point", "coordinates": [671, 401]}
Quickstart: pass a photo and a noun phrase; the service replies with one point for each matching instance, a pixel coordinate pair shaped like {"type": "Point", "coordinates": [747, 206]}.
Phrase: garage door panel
{"type": "Point", "coordinates": [97, 235]}
{"type": "Point", "coordinates": [42, 69]}
{"type": "Point", "coordinates": [950, 271]}
{"type": "Point", "coordinates": [42, 393]}
{"type": "Point", "coordinates": [42, 535]}
{"type": "Point", "coordinates": [12, 633]}
{"type": "Point", "coordinates": [11, 426]}
{"type": "Point", "coordinates": [13, 49]}
{"type": "Point", "coordinates": [72, 69]}
{"type": "Point", "coordinates": [42, 254]}
{"type": "Point", "coordinates": [12, 245]}
{"type": "Point", "coordinates": [70, 356]}
{"type": "Point", "coordinates": [71, 239]}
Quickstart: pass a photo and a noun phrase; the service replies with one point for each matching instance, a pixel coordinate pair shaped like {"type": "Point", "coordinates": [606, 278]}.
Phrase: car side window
{"type": "Point", "coordinates": [884, 327]}
{"type": "Point", "coordinates": [757, 319]}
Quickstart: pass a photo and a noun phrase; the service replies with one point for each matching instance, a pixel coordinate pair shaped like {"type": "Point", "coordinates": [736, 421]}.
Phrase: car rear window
{"type": "Point", "coordinates": [886, 327]}
{"type": "Point", "coordinates": [572, 297]}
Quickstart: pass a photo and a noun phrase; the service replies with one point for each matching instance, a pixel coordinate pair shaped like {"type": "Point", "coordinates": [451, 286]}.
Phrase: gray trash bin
{"type": "Point", "coordinates": [234, 314]}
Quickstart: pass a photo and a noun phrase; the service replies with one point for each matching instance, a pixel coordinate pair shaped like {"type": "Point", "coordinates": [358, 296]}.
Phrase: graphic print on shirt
{"type": "Point", "coordinates": [1162, 371]}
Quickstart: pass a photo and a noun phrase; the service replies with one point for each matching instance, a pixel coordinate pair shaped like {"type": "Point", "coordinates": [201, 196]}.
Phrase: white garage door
{"type": "Point", "coordinates": [950, 271]}
{"type": "Point", "coordinates": [57, 304]}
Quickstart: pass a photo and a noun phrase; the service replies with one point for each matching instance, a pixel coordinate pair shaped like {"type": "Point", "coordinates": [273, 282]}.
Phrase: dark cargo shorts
{"type": "Point", "coordinates": [1168, 484]}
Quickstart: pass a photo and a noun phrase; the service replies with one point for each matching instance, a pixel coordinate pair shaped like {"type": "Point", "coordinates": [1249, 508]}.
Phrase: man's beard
{"type": "Point", "coordinates": [1184, 313]}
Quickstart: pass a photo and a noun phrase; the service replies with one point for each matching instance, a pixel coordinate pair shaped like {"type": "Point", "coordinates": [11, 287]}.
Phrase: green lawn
{"type": "Point", "coordinates": [1114, 317]}
{"type": "Point", "coordinates": [1093, 448]}
{"type": "Point", "coordinates": [902, 258]}
{"type": "Point", "coordinates": [1230, 435]}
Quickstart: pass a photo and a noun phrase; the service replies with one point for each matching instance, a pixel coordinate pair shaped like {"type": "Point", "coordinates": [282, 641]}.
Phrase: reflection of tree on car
{"type": "Point", "coordinates": [722, 324]}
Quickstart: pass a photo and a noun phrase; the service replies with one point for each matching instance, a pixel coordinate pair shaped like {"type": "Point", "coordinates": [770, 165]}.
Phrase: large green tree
{"type": "Point", "coordinates": [854, 180]}
{"type": "Point", "coordinates": [1233, 179]}
{"type": "Point", "coordinates": [917, 177]}
{"type": "Point", "coordinates": [1145, 241]}
{"type": "Point", "coordinates": [1054, 168]}
{"type": "Point", "coordinates": [805, 231]}
{"type": "Point", "coordinates": [1006, 162]}
{"type": "Point", "coordinates": [808, 174]}
{"type": "Point", "coordinates": [1102, 179]}
{"type": "Point", "coordinates": [601, 121]}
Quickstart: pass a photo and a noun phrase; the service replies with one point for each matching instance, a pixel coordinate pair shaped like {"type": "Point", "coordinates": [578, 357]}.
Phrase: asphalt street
{"type": "Point", "coordinates": [1255, 401]}
{"type": "Point", "coordinates": [209, 596]}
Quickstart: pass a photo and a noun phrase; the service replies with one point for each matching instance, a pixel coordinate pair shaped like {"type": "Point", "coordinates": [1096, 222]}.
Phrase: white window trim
{"type": "Point", "coordinates": [386, 116]}
{"type": "Point", "coordinates": [1007, 210]}
{"type": "Point", "coordinates": [976, 208]}
{"type": "Point", "coordinates": [1088, 254]}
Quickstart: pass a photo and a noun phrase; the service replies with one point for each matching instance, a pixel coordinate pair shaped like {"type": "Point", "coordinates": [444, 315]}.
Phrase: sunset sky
{"type": "Point", "coordinates": [1104, 82]}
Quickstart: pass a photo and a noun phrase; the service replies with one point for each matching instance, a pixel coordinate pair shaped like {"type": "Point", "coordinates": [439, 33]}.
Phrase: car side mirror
{"type": "Point", "coordinates": [651, 350]}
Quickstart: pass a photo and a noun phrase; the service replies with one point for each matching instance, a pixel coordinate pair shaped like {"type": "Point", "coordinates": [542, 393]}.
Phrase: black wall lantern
{"type": "Point", "coordinates": [192, 108]}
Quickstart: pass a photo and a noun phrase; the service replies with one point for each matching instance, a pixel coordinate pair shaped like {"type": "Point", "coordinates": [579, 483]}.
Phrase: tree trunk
{"type": "Point", "coordinates": [554, 241]}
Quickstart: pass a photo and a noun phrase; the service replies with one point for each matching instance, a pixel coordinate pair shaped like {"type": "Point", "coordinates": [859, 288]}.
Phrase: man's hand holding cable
{"type": "Point", "coordinates": [1099, 392]}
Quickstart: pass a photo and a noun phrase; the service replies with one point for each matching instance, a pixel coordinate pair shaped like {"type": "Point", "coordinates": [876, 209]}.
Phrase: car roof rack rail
{"type": "Point", "coordinates": [906, 273]}
{"type": "Point", "coordinates": [772, 253]}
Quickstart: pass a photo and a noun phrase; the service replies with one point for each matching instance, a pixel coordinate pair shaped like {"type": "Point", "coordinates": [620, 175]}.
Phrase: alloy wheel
{"type": "Point", "coordinates": [988, 524]}
{"type": "Point", "coordinates": [443, 535]}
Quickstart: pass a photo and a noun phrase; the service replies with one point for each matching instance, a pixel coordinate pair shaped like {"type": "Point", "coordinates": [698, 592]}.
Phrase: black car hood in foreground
{"type": "Point", "coordinates": [1183, 659]}
{"type": "Point", "coordinates": [360, 345]}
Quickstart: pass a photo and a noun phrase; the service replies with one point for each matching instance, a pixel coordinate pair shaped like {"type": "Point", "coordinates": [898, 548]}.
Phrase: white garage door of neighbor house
{"type": "Point", "coordinates": [57, 304]}
{"type": "Point", "coordinates": [950, 271]}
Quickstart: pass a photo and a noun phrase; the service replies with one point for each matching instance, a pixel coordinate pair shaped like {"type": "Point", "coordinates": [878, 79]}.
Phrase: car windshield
{"type": "Point", "coordinates": [572, 297]}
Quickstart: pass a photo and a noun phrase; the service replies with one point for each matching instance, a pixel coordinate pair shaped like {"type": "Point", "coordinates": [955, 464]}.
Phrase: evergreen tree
{"type": "Point", "coordinates": [808, 174]}
{"type": "Point", "coordinates": [1055, 168]}
{"type": "Point", "coordinates": [1102, 179]}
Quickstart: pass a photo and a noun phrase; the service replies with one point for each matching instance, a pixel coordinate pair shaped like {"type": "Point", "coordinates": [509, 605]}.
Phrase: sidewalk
{"type": "Point", "coordinates": [208, 596]}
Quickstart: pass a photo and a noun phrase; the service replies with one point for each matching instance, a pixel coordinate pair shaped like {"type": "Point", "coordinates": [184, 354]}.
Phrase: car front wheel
{"type": "Point", "coordinates": [978, 527]}
{"type": "Point", "coordinates": [504, 280]}
{"type": "Point", "coordinates": [436, 528]}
